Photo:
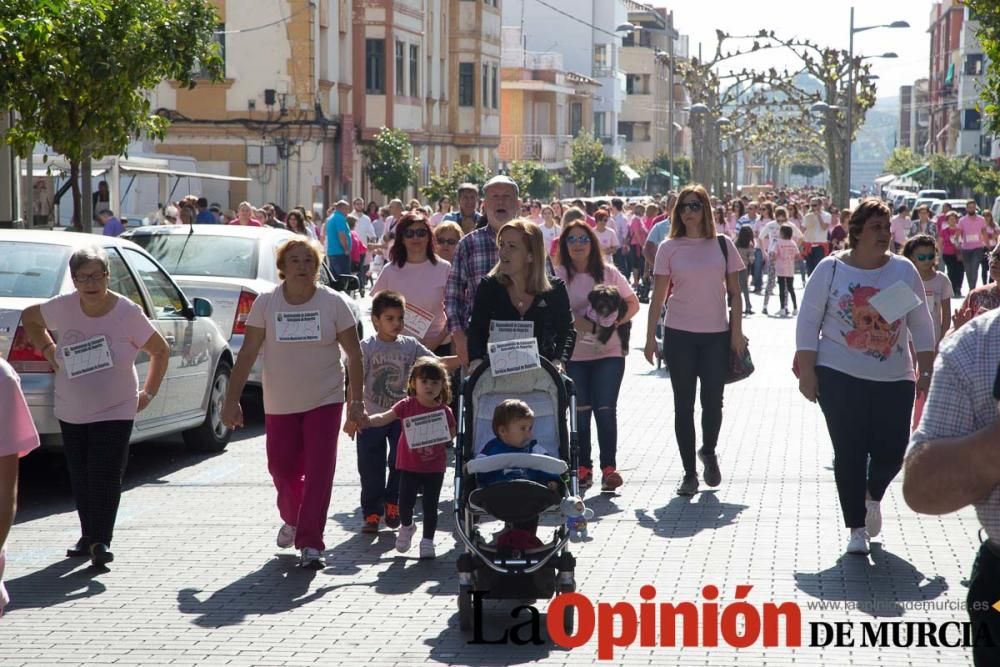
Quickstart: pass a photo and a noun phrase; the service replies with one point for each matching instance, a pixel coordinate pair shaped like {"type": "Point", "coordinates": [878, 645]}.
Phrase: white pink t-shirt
{"type": "Point", "coordinates": [302, 367]}
{"type": "Point", "coordinates": [937, 290]}
{"type": "Point", "coordinates": [422, 285]}
{"type": "Point", "coordinates": [971, 228]}
{"type": "Point", "coordinates": [432, 458]}
{"type": "Point", "coordinates": [549, 235]}
{"type": "Point", "coordinates": [900, 228]}
{"type": "Point", "coordinates": [587, 347]}
{"type": "Point", "coordinates": [786, 251]}
{"type": "Point", "coordinates": [607, 238]}
{"type": "Point", "coordinates": [18, 435]}
{"type": "Point", "coordinates": [100, 353]}
{"type": "Point", "coordinates": [697, 270]}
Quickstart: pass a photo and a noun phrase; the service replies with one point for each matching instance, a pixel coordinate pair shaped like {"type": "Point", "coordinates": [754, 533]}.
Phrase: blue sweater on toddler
{"type": "Point", "coordinates": [498, 446]}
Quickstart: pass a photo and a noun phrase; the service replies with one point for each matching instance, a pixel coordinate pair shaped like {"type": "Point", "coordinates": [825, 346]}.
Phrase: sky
{"type": "Point", "coordinates": [826, 22]}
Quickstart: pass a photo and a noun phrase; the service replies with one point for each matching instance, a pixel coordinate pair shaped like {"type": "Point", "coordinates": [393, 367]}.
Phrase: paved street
{"type": "Point", "coordinates": [198, 579]}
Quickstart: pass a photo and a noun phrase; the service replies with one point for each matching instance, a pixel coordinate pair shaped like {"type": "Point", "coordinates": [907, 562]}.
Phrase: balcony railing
{"type": "Point", "coordinates": [535, 147]}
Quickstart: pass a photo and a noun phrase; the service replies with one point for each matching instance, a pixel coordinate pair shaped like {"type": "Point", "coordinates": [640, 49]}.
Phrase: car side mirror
{"type": "Point", "coordinates": [202, 307]}
{"type": "Point", "coordinates": [346, 283]}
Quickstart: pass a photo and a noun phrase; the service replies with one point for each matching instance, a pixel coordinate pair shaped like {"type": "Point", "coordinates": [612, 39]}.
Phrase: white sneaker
{"type": "Point", "coordinates": [427, 548]}
{"type": "Point", "coordinates": [405, 537]}
{"type": "Point", "coordinates": [784, 312]}
{"type": "Point", "coordinates": [858, 544]}
{"type": "Point", "coordinates": [873, 517]}
{"type": "Point", "coordinates": [286, 536]}
{"type": "Point", "coordinates": [311, 559]}
{"type": "Point", "coordinates": [795, 311]}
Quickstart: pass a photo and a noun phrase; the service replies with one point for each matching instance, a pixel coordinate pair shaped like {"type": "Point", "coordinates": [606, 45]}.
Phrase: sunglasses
{"type": "Point", "coordinates": [447, 241]}
{"type": "Point", "coordinates": [925, 257]}
{"type": "Point", "coordinates": [693, 206]}
{"type": "Point", "coordinates": [581, 240]}
{"type": "Point", "coordinates": [415, 233]}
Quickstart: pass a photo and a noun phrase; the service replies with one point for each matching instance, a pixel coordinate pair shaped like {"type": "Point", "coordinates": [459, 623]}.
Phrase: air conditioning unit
{"type": "Point", "coordinates": [270, 155]}
{"type": "Point", "coordinates": [253, 156]}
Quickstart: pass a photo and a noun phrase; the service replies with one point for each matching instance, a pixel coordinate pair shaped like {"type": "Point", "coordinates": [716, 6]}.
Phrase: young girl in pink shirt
{"type": "Point", "coordinates": [784, 265]}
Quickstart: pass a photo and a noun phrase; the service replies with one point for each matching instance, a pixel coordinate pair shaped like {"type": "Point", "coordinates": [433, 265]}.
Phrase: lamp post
{"type": "Point", "coordinates": [850, 92]}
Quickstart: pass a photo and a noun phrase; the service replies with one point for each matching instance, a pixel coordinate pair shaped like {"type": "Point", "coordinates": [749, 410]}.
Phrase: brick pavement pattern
{"type": "Point", "coordinates": [198, 579]}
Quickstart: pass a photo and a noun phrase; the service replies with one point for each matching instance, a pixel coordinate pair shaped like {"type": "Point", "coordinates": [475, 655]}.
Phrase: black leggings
{"type": "Point", "coordinates": [691, 357]}
{"type": "Point", "coordinates": [984, 589]}
{"type": "Point", "coordinates": [409, 483]}
{"type": "Point", "coordinates": [869, 425]}
{"type": "Point", "coordinates": [956, 273]}
{"type": "Point", "coordinates": [96, 454]}
{"type": "Point", "coordinates": [785, 289]}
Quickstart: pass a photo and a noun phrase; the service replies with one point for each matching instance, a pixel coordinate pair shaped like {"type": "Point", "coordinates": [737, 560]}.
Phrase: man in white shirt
{"type": "Point", "coordinates": [815, 224]}
{"type": "Point", "coordinates": [366, 232]}
{"type": "Point", "coordinates": [620, 222]}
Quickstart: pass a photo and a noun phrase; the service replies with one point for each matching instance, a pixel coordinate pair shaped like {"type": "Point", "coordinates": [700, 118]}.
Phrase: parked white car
{"type": "Point", "coordinates": [230, 265]}
{"type": "Point", "coordinates": [34, 266]}
{"type": "Point", "coordinates": [956, 205]}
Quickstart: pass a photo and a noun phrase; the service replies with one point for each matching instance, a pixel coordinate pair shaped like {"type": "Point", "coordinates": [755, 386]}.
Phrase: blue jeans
{"type": "Point", "coordinates": [339, 264]}
{"type": "Point", "coordinates": [597, 384]}
{"type": "Point", "coordinates": [376, 490]}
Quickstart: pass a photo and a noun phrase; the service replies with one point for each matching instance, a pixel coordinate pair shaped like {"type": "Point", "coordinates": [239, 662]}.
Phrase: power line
{"type": "Point", "coordinates": [284, 19]}
{"type": "Point", "coordinates": [575, 18]}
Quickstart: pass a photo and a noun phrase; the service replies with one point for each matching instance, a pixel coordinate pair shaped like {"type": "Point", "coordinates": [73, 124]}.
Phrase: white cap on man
{"type": "Point", "coordinates": [501, 179]}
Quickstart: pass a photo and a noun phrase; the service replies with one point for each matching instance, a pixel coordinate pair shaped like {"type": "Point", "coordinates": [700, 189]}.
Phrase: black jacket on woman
{"type": "Point", "coordinates": [550, 312]}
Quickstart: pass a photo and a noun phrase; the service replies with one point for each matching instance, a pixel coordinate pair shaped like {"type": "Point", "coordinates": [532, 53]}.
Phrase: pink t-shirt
{"type": "Point", "coordinates": [302, 367]}
{"type": "Point", "coordinates": [971, 227]}
{"type": "Point", "coordinates": [608, 238]}
{"type": "Point", "coordinates": [900, 228]}
{"type": "Point", "coordinates": [17, 430]}
{"type": "Point", "coordinates": [638, 232]}
{"type": "Point", "coordinates": [96, 393]}
{"type": "Point", "coordinates": [254, 222]}
{"type": "Point", "coordinates": [433, 458]}
{"type": "Point", "coordinates": [587, 347]}
{"type": "Point", "coordinates": [946, 233]}
{"type": "Point", "coordinates": [785, 253]}
{"type": "Point", "coordinates": [697, 271]}
{"type": "Point", "coordinates": [422, 284]}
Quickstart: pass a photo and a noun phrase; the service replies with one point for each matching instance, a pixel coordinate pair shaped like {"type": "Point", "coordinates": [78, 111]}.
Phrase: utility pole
{"type": "Point", "coordinates": [670, 97]}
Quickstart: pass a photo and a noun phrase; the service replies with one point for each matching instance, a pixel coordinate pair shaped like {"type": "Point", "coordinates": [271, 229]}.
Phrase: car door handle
{"type": "Point", "coordinates": [170, 340]}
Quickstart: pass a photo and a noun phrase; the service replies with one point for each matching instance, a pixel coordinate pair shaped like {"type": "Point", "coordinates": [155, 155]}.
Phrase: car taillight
{"type": "Point", "coordinates": [243, 311]}
{"type": "Point", "coordinates": [24, 358]}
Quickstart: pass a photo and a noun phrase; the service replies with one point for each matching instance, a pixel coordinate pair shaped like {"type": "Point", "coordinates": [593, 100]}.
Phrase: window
{"type": "Point", "coordinates": [601, 60]}
{"type": "Point", "coordinates": [375, 66]}
{"type": "Point", "coordinates": [121, 280]}
{"type": "Point", "coordinates": [626, 129]}
{"type": "Point", "coordinates": [400, 55]}
{"type": "Point", "coordinates": [599, 129]}
{"type": "Point", "coordinates": [974, 64]}
{"type": "Point", "coordinates": [575, 118]}
{"type": "Point", "coordinates": [166, 299]}
{"type": "Point", "coordinates": [31, 270]}
{"type": "Point", "coordinates": [466, 85]}
{"type": "Point", "coordinates": [219, 38]}
{"type": "Point", "coordinates": [971, 120]}
{"type": "Point", "coordinates": [486, 86]}
{"type": "Point", "coordinates": [414, 65]}
{"type": "Point", "coordinates": [490, 3]}
{"type": "Point", "coordinates": [494, 87]}
{"type": "Point", "coordinates": [202, 255]}
{"type": "Point", "coordinates": [632, 84]}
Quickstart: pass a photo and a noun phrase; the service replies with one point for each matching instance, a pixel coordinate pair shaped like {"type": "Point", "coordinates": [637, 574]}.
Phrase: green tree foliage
{"type": "Point", "coordinates": [901, 161]}
{"type": "Point", "coordinates": [587, 160]}
{"type": "Point", "coordinates": [445, 183]}
{"type": "Point", "coordinates": [389, 161]}
{"type": "Point", "coordinates": [681, 168]}
{"type": "Point", "coordinates": [807, 171]}
{"type": "Point", "coordinates": [76, 72]}
{"type": "Point", "coordinates": [533, 179]}
{"type": "Point", "coordinates": [987, 13]}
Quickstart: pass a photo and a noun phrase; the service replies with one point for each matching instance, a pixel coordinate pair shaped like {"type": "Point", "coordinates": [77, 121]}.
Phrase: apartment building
{"type": "Point", "coordinates": [946, 21]}
{"type": "Point", "coordinates": [307, 82]}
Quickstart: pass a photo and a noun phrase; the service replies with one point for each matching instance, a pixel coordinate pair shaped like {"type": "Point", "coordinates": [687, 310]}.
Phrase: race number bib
{"type": "Point", "coordinates": [427, 429]}
{"type": "Point", "coordinates": [90, 356]}
{"type": "Point", "coordinates": [893, 303]}
{"type": "Point", "coordinates": [514, 356]}
{"type": "Point", "coordinates": [297, 326]}
{"type": "Point", "coordinates": [417, 321]}
{"type": "Point", "coordinates": [504, 330]}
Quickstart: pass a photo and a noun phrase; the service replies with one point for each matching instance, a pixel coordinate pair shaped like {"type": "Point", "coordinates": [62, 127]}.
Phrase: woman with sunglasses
{"type": "Point", "coordinates": [597, 368]}
{"type": "Point", "coordinates": [447, 234]}
{"type": "Point", "coordinates": [96, 403]}
{"type": "Point", "coordinates": [697, 336]}
{"type": "Point", "coordinates": [419, 275]}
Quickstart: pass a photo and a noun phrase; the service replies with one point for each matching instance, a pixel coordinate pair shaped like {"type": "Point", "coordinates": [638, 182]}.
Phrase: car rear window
{"type": "Point", "coordinates": [31, 270]}
{"type": "Point", "coordinates": [201, 254]}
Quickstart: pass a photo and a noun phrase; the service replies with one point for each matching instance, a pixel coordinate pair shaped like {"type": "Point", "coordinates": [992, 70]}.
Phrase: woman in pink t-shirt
{"type": "Point", "coordinates": [17, 437]}
{"type": "Point", "coordinates": [697, 335]}
{"type": "Point", "coordinates": [948, 235]}
{"type": "Point", "coordinates": [597, 367]}
{"type": "Point", "coordinates": [96, 338]}
{"type": "Point", "coordinates": [244, 216]}
{"type": "Point", "coordinates": [301, 327]}
{"type": "Point", "coordinates": [416, 272]}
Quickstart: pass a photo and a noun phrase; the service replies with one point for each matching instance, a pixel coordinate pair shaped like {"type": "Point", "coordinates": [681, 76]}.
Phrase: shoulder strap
{"type": "Point", "coordinates": [725, 251]}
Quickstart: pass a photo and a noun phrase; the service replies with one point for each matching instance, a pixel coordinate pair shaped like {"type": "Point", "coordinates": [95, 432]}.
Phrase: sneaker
{"type": "Point", "coordinates": [858, 544]}
{"type": "Point", "coordinates": [784, 312]}
{"type": "Point", "coordinates": [585, 475]}
{"type": "Point", "coordinates": [749, 311]}
{"type": "Point", "coordinates": [371, 523]}
{"type": "Point", "coordinates": [873, 517]}
{"type": "Point", "coordinates": [713, 476]}
{"type": "Point", "coordinates": [688, 485]}
{"type": "Point", "coordinates": [311, 559]}
{"type": "Point", "coordinates": [391, 515]}
{"type": "Point", "coordinates": [427, 548]}
{"type": "Point", "coordinates": [405, 537]}
{"type": "Point", "coordinates": [795, 311]}
{"type": "Point", "coordinates": [764, 311]}
{"type": "Point", "coordinates": [610, 479]}
{"type": "Point", "coordinates": [286, 536]}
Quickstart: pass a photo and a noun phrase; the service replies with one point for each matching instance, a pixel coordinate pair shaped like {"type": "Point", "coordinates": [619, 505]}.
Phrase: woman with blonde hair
{"type": "Point", "coordinates": [702, 269]}
{"type": "Point", "coordinates": [518, 288]}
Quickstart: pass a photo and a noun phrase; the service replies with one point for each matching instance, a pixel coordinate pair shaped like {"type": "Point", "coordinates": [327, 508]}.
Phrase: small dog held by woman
{"type": "Point", "coordinates": [606, 308]}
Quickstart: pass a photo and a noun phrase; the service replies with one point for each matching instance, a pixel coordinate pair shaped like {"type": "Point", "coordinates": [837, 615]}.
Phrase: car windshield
{"type": "Point", "coordinates": [201, 254]}
{"type": "Point", "coordinates": [31, 270]}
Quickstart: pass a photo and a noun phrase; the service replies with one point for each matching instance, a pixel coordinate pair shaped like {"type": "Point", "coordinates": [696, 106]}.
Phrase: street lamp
{"type": "Point", "coordinates": [850, 91]}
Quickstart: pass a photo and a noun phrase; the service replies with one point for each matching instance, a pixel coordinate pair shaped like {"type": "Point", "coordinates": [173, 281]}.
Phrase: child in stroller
{"type": "Point", "coordinates": [512, 424]}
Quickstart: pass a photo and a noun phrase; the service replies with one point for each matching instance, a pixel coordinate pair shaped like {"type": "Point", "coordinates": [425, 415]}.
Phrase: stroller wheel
{"type": "Point", "coordinates": [465, 608]}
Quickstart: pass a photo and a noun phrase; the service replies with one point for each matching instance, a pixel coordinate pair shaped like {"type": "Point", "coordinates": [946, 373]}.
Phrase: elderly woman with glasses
{"type": "Point", "coordinates": [96, 337]}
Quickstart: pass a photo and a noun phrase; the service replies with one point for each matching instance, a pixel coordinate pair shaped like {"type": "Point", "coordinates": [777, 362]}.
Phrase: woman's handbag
{"type": "Point", "coordinates": [740, 365]}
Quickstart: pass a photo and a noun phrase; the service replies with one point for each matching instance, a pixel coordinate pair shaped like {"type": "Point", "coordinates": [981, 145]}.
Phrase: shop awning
{"type": "Point", "coordinates": [630, 173]}
{"type": "Point", "coordinates": [888, 178]}
{"type": "Point", "coordinates": [919, 169]}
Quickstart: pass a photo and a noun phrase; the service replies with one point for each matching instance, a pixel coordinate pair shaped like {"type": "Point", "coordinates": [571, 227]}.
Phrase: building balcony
{"type": "Point", "coordinates": [549, 149]}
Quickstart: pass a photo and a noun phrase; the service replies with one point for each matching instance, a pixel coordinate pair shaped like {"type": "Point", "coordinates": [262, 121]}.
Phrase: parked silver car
{"type": "Point", "coordinates": [34, 267]}
{"type": "Point", "coordinates": [228, 264]}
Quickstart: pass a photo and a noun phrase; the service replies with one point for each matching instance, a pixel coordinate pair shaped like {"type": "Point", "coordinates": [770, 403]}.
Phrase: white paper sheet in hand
{"type": "Point", "coordinates": [504, 330]}
{"type": "Point", "coordinates": [427, 429]}
{"type": "Point", "coordinates": [86, 357]}
{"type": "Point", "coordinates": [514, 356]}
{"type": "Point", "coordinates": [299, 326]}
{"type": "Point", "coordinates": [416, 321]}
{"type": "Point", "coordinates": [894, 302]}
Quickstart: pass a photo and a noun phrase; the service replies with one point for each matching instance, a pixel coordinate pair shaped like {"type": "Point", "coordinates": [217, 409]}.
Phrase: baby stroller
{"type": "Point", "coordinates": [515, 574]}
